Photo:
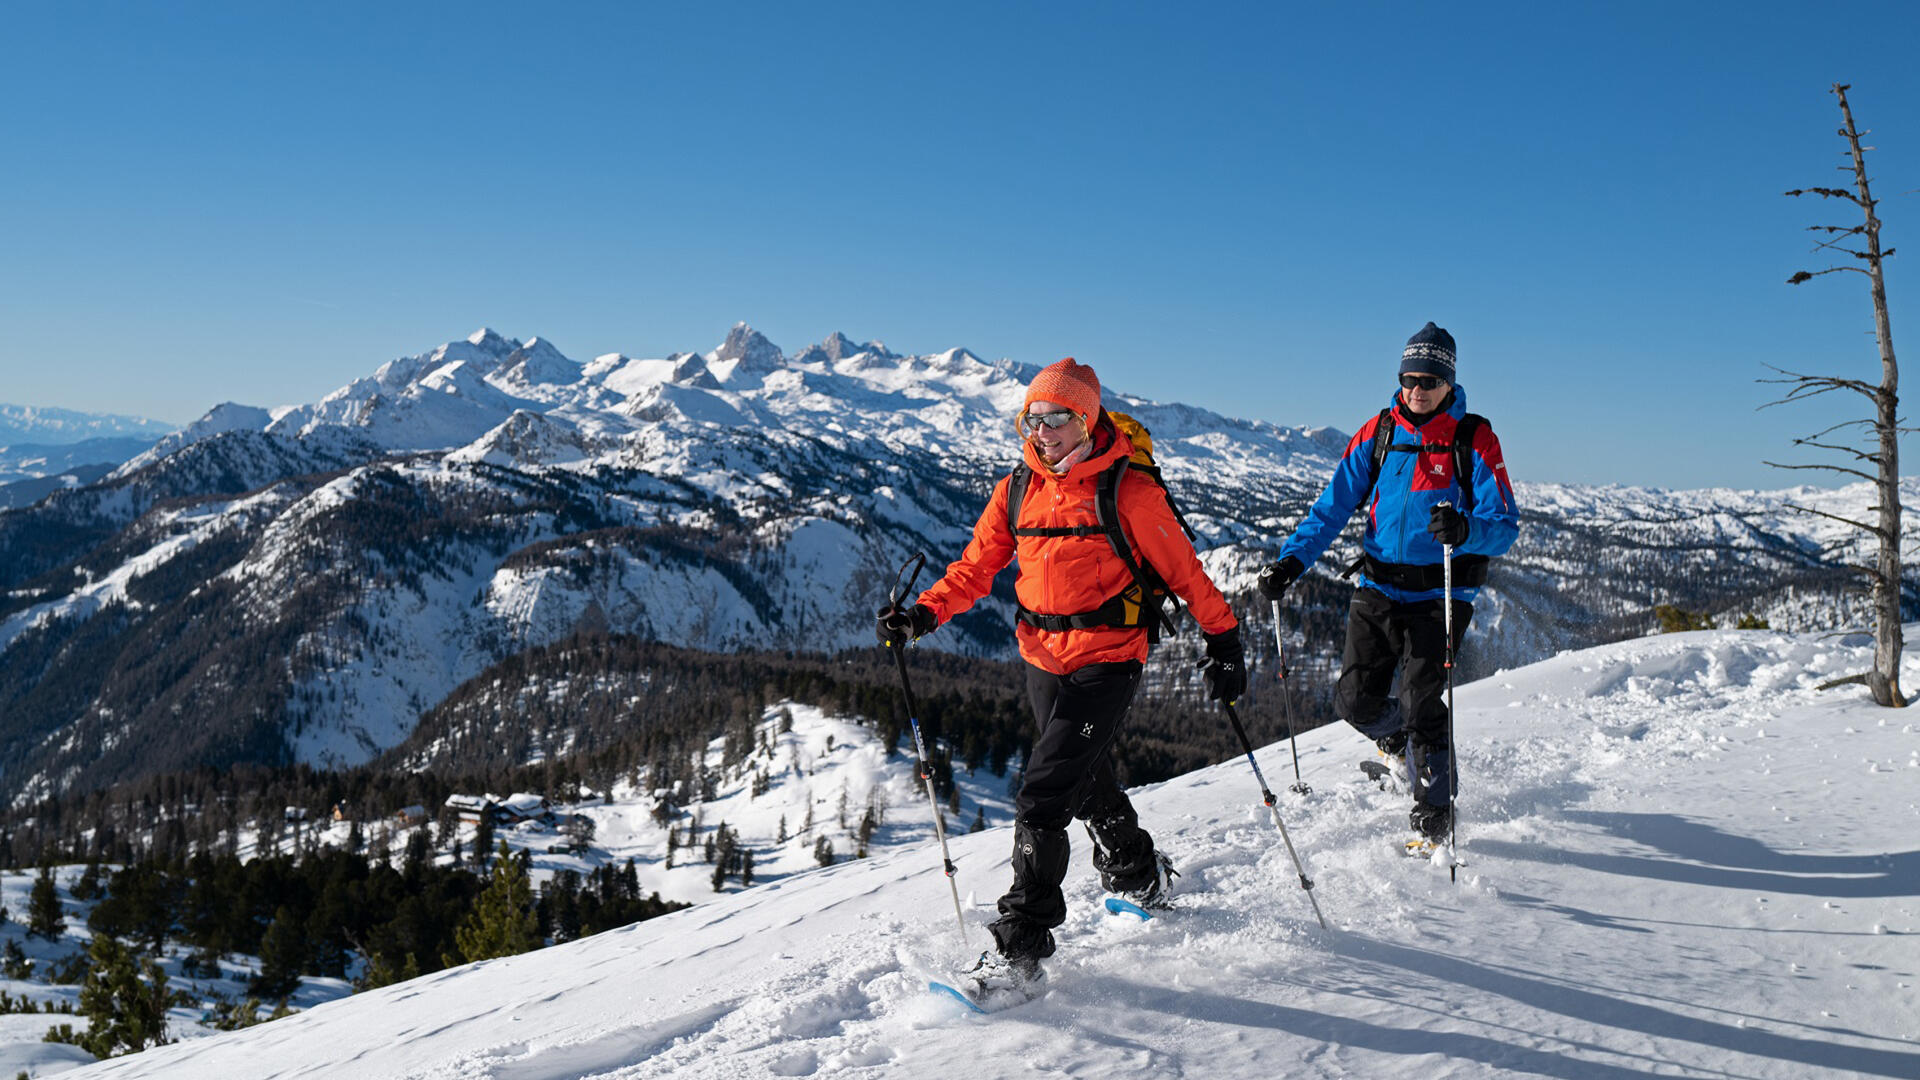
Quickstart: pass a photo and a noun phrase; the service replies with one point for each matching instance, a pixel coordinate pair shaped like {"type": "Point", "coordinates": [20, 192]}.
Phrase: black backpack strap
{"type": "Point", "coordinates": [1106, 507]}
{"type": "Point", "coordinates": [1017, 481]}
{"type": "Point", "coordinates": [1463, 435]}
{"type": "Point", "coordinates": [1382, 442]}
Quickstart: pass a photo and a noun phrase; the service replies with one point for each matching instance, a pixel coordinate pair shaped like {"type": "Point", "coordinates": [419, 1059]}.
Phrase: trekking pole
{"type": "Point", "coordinates": [899, 649]}
{"type": "Point", "coordinates": [1453, 757]}
{"type": "Point", "coordinates": [1266, 794]}
{"type": "Point", "coordinates": [1280, 649]}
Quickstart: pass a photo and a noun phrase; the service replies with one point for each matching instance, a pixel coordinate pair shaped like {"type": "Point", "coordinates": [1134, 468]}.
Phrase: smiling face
{"type": "Point", "coordinates": [1053, 443]}
{"type": "Point", "coordinates": [1421, 399]}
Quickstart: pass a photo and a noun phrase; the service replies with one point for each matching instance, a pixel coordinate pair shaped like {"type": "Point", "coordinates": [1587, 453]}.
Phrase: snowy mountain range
{"type": "Point", "coordinates": [44, 450]}
{"type": "Point", "coordinates": [304, 582]}
{"type": "Point", "coordinates": [1680, 858]}
{"type": "Point", "coordinates": [59, 427]}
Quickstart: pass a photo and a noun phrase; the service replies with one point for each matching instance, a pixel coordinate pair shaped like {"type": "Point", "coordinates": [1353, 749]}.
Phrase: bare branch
{"type": "Point", "coordinates": [1800, 377]}
{"type": "Point", "coordinates": [1836, 228]}
{"type": "Point", "coordinates": [1807, 387]}
{"type": "Point", "coordinates": [1858, 455]}
{"type": "Point", "coordinates": [1825, 193]}
{"type": "Point", "coordinates": [1828, 468]}
{"type": "Point", "coordinates": [1845, 680]}
{"type": "Point", "coordinates": [1804, 276]}
{"type": "Point", "coordinates": [1841, 424]}
{"type": "Point", "coordinates": [1834, 517]}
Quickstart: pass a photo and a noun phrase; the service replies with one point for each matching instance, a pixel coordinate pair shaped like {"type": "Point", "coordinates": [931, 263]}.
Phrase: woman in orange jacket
{"type": "Point", "coordinates": [1084, 642]}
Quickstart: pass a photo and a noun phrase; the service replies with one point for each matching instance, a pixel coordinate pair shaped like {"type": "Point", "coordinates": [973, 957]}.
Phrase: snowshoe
{"type": "Point", "coordinates": [1157, 893]}
{"type": "Point", "coordinates": [1117, 906]}
{"type": "Point", "coordinates": [997, 982]}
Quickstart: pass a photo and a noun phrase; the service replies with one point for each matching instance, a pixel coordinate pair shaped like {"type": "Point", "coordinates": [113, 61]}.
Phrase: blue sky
{"type": "Point", "coordinates": [1244, 207]}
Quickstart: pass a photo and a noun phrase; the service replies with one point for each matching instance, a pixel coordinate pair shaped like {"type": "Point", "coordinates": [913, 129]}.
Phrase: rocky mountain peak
{"type": "Point", "coordinates": [751, 348]}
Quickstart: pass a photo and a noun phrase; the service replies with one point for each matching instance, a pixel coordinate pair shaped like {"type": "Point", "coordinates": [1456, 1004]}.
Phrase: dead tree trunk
{"type": "Point", "coordinates": [1884, 680]}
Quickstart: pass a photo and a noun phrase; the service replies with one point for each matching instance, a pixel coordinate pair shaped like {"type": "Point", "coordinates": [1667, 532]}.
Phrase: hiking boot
{"type": "Point", "coordinates": [1431, 821]}
{"type": "Point", "coordinates": [1157, 893]}
{"type": "Point", "coordinates": [1394, 749]}
{"type": "Point", "coordinates": [998, 979]}
{"type": "Point", "coordinates": [1393, 745]}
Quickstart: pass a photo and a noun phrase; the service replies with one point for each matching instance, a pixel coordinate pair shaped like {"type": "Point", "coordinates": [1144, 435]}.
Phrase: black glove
{"type": "Point", "coordinates": [1225, 667]}
{"type": "Point", "coordinates": [1449, 526]}
{"type": "Point", "coordinates": [896, 626]}
{"type": "Point", "coordinates": [1275, 577]}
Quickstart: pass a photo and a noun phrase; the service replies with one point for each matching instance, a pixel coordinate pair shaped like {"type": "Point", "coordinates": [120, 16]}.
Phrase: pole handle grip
{"type": "Point", "coordinates": [916, 563]}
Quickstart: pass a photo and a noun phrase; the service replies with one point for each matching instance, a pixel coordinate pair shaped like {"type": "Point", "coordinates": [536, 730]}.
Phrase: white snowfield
{"type": "Point", "coordinates": [1681, 860]}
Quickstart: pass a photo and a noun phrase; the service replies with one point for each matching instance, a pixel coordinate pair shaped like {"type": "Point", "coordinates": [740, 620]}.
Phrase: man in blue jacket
{"type": "Point", "coordinates": [1420, 491]}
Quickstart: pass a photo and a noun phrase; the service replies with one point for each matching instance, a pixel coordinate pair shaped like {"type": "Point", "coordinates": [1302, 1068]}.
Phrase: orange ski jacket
{"type": "Point", "coordinates": [1067, 574]}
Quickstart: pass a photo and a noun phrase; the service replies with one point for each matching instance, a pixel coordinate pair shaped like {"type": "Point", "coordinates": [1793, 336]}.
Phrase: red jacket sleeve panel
{"type": "Point", "coordinates": [970, 577]}
{"type": "Point", "coordinates": [1149, 522]}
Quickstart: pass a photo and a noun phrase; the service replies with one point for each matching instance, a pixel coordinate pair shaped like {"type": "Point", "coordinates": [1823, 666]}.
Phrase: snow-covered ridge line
{"type": "Point", "coordinates": [491, 495]}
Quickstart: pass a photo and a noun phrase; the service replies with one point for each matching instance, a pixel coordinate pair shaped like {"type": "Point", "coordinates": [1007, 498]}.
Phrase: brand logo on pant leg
{"type": "Point", "coordinates": [1026, 849]}
{"type": "Point", "coordinates": [1086, 732]}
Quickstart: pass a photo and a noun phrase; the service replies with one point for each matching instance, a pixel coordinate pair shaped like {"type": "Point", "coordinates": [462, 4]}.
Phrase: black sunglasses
{"type": "Point", "coordinates": [1422, 382]}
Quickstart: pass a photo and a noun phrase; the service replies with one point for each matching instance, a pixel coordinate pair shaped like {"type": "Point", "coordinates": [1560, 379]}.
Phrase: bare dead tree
{"type": "Point", "coordinates": [1883, 453]}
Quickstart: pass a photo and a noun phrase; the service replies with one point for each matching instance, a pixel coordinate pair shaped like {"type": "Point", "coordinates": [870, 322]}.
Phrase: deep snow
{"type": "Point", "coordinates": [1681, 860]}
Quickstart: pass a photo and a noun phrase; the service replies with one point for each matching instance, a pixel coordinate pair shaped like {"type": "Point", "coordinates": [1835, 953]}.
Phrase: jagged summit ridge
{"type": "Point", "coordinates": [842, 389]}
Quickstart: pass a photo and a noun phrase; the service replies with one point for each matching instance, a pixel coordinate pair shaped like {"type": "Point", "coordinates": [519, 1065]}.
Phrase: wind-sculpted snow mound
{"type": "Point", "coordinates": [1680, 857]}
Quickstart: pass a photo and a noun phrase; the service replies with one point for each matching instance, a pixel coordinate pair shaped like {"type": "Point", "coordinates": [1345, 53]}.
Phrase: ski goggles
{"type": "Point", "coordinates": [1421, 382]}
{"type": "Point", "coordinates": [1031, 423]}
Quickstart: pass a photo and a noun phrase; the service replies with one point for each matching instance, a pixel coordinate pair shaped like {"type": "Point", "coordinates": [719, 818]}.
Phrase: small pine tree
{"type": "Point", "coordinates": [283, 953]}
{"type": "Point", "coordinates": [14, 963]}
{"type": "Point", "coordinates": [88, 887]}
{"type": "Point", "coordinates": [45, 917]}
{"type": "Point", "coordinates": [125, 1005]}
{"type": "Point", "coordinates": [381, 972]}
{"type": "Point", "coordinates": [979, 820]}
{"type": "Point", "coordinates": [823, 851]}
{"type": "Point", "coordinates": [503, 921]}
{"type": "Point", "coordinates": [1674, 620]}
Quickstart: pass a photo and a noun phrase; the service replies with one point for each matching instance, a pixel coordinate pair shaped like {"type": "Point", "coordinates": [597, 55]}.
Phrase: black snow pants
{"type": "Point", "coordinates": [1070, 775]}
{"type": "Point", "coordinates": [1382, 635]}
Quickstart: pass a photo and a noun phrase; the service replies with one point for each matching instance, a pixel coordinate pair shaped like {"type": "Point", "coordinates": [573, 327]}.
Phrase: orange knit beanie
{"type": "Point", "coordinates": [1070, 384]}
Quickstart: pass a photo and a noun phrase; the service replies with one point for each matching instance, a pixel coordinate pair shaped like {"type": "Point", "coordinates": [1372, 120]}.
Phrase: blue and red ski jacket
{"type": "Point", "coordinates": [1410, 485]}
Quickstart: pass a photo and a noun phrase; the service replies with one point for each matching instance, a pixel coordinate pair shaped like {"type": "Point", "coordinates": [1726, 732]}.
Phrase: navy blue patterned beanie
{"type": "Point", "coordinates": [1429, 352]}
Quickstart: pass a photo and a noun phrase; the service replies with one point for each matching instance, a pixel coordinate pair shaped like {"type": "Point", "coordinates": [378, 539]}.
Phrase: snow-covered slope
{"type": "Point", "coordinates": [1681, 860]}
